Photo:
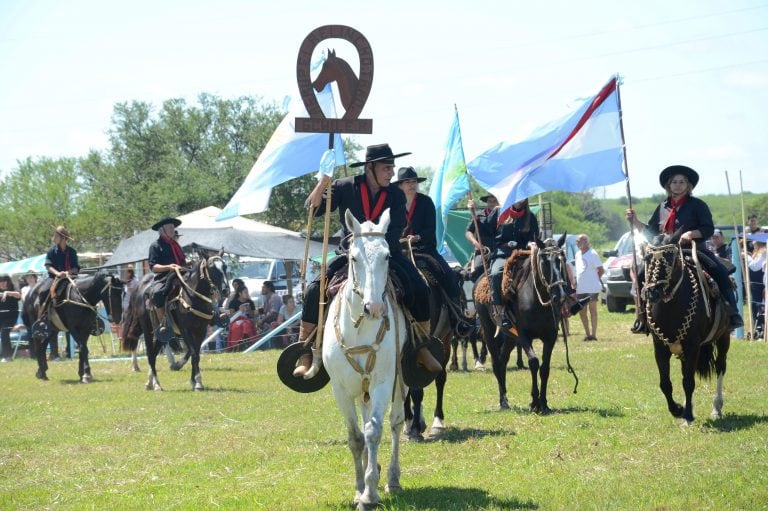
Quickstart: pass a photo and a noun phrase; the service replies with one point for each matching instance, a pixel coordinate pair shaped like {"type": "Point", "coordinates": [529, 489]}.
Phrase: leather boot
{"type": "Point", "coordinates": [423, 356]}
{"type": "Point", "coordinates": [304, 363]}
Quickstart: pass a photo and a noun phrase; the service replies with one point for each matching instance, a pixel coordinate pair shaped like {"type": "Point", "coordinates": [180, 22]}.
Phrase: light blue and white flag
{"type": "Point", "coordinates": [580, 151]}
{"type": "Point", "coordinates": [450, 182]}
{"type": "Point", "coordinates": [286, 156]}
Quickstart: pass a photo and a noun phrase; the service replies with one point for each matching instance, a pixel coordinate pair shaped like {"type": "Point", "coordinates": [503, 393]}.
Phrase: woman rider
{"type": "Point", "coordinates": [683, 210]}
{"type": "Point", "coordinates": [421, 231]}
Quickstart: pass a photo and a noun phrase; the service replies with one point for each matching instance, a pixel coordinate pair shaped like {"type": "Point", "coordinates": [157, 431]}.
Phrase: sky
{"type": "Point", "coordinates": [695, 73]}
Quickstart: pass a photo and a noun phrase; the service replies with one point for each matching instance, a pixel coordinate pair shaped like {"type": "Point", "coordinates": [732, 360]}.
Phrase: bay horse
{"type": "Point", "coordinates": [533, 288]}
{"type": "Point", "coordinates": [73, 310]}
{"type": "Point", "coordinates": [363, 340]}
{"type": "Point", "coordinates": [194, 304]}
{"type": "Point", "coordinates": [440, 327]}
{"type": "Point", "coordinates": [337, 70]}
{"type": "Point", "coordinates": [686, 317]}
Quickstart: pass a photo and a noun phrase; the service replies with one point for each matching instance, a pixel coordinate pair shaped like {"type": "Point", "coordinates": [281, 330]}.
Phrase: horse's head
{"type": "Point", "coordinates": [369, 262]}
{"type": "Point", "coordinates": [217, 272]}
{"type": "Point", "coordinates": [111, 293]}
{"type": "Point", "coordinates": [549, 262]}
{"type": "Point", "coordinates": [327, 72]}
{"type": "Point", "coordinates": [661, 261]}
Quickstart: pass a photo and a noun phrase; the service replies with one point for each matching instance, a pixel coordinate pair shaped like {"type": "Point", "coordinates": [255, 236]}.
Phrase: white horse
{"type": "Point", "coordinates": [363, 339]}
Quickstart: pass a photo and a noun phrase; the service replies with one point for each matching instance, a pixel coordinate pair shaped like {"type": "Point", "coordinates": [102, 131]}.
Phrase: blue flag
{"type": "Point", "coordinates": [286, 156]}
{"type": "Point", "coordinates": [580, 151]}
{"type": "Point", "coordinates": [450, 182]}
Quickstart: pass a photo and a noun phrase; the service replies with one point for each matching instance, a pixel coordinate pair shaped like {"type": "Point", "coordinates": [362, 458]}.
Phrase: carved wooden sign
{"type": "Point", "coordinates": [353, 90]}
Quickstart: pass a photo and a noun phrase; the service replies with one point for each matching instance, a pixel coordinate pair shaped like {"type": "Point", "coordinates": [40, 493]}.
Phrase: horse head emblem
{"type": "Point", "coordinates": [353, 89]}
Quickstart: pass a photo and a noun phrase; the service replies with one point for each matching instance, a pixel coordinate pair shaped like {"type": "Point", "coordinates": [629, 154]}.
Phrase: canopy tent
{"type": "Point", "coordinates": [238, 236]}
{"type": "Point", "coordinates": [29, 265]}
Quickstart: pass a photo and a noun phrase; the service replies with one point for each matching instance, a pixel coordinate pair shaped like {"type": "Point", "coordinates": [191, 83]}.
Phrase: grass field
{"type": "Point", "coordinates": [250, 443]}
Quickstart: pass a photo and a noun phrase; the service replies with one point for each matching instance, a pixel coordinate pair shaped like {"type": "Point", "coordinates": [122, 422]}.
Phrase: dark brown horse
{"type": "Point", "coordinates": [194, 304]}
{"type": "Point", "coordinates": [73, 309]}
{"type": "Point", "coordinates": [534, 289]}
{"type": "Point", "coordinates": [440, 327]}
{"type": "Point", "coordinates": [687, 318]}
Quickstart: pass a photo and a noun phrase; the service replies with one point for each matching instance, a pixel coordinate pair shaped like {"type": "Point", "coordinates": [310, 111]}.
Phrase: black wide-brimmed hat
{"type": "Point", "coordinates": [379, 152]}
{"type": "Point", "coordinates": [692, 175]}
{"type": "Point", "coordinates": [167, 220]}
{"type": "Point", "coordinates": [408, 174]}
{"type": "Point", "coordinates": [414, 375]}
{"type": "Point", "coordinates": [286, 363]}
{"type": "Point", "coordinates": [485, 198]}
{"type": "Point", "coordinates": [63, 232]}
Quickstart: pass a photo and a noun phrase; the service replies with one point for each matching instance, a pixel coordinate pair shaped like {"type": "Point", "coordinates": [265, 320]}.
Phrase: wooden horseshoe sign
{"type": "Point", "coordinates": [353, 90]}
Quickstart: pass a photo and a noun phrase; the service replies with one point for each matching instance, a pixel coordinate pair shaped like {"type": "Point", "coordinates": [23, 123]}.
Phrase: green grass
{"type": "Point", "coordinates": [250, 443]}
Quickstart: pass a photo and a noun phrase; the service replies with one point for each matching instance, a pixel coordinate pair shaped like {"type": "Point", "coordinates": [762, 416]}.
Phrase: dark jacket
{"type": "Point", "coordinates": [693, 214]}
{"type": "Point", "coordinates": [423, 221]}
{"type": "Point", "coordinates": [487, 228]}
{"type": "Point", "coordinates": [160, 253]}
{"type": "Point", "coordinates": [521, 230]}
{"type": "Point", "coordinates": [346, 195]}
{"type": "Point", "coordinates": [61, 260]}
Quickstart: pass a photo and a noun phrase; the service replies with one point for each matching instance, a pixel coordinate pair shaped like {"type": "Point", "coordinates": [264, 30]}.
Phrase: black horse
{"type": "Point", "coordinates": [193, 303]}
{"type": "Point", "coordinates": [73, 309]}
{"type": "Point", "coordinates": [686, 317]}
{"type": "Point", "coordinates": [534, 294]}
{"type": "Point", "coordinates": [440, 327]}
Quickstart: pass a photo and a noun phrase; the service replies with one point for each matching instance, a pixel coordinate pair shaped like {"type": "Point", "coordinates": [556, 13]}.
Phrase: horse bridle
{"type": "Point", "coordinates": [110, 288]}
{"type": "Point", "coordinates": [658, 262]}
{"type": "Point", "coordinates": [554, 280]}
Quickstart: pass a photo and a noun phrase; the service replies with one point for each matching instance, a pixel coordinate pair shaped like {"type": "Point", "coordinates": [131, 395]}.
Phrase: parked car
{"type": "Point", "coordinates": [617, 277]}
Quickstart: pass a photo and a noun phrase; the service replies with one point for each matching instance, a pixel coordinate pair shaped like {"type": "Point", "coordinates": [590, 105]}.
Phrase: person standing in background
{"type": "Point", "coordinates": [589, 269]}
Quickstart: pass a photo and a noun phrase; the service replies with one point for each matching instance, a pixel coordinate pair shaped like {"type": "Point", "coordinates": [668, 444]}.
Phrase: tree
{"type": "Point", "coordinates": [37, 196]}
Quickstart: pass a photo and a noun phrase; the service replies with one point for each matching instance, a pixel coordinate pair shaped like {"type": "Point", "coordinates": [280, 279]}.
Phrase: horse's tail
{"type": "Point", "coordinates": [705, 365]}
{"type": "Point", "coordinates": [131, 325]}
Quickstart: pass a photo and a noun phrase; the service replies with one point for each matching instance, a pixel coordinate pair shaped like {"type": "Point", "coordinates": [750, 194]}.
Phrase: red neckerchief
{"type": "Point", "coordinates": [488, 211]}
{"type": "Point", "coordinates": [178, 254]}
{"type": "Point", "coordinates": [409, 213]}
{"type": "Point", "coordinates": [669, 225]}
{"type": "Point", "coordinates": [510, 212]}
{"type": "Point", "coordinates": [372, 215]}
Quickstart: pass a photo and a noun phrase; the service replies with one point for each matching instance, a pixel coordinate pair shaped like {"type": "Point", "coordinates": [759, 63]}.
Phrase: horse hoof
{"type": "Point", "coordinates": [479, 366]}
{"type": "Point", "coordinates": [414, 437]}
{"type": "Point", "coordinates": [716, 414]}
{"type": "Point", "coordinates": [504, 405]}
{"type": "Point", "coordinates": [198, 388]}
{"type": "Point", "coordinates": [685, 423]}
{"type": "Point", "coordinates": [453, 367]}
{"type": "Point", "coordinates": [41, 376]}
{"type": "Point", "coordinates": [393, 488]}
{"type": "Point", "coordinates": [136, 369]}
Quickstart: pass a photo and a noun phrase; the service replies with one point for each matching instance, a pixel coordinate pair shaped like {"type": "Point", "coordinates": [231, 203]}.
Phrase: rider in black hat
{"type": "Point", "coordinates": [366, 196]}
{"type": "Point", "coordinates": [165, 258]}
{"type": "Point", "coordinates": [683, 210]}
{"type": "Point", "coordinates": [421, 231]}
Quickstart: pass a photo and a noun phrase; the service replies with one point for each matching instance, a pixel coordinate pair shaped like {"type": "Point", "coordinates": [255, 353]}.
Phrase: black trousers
{"type": "Point", "coordinates": [416, 290]}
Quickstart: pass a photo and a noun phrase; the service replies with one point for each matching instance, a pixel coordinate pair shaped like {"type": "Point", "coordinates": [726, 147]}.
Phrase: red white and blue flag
{"type": "Point", "coordinates": [580, 151]}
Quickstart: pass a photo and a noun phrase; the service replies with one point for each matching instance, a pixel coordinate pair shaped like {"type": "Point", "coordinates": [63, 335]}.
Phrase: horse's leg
{"type": "Point", "coordinates": [152, 348]}
{"type": "Point", "coordinates": [418, 425]}
{"type": "Point", "coordinates": [135, 361]}
{"type": "Point", "coordinates": [533, 364]}
{"type": "Point", "coordinates": [520, 364]}
{"type": "Point", "coordinates": [662, 355]}
{"type": "Point", "coordinates": [372, 430]}
{"type": "Point", "coordinates": [355, 439]}
{"type": "Point", "coordinates": [438, 423]}
{"type": "Point", "coordinates": [495, 348]}
{"type": "Point", "coordinates": [455, 340]}
{"type": "Point", "coordinates": [193, 345]}
{"type": "Point", "coordinates": [689, 385]}
{"type": "Point", "coordinates": [723, 344]}
{"type": "Point", "coordinates": [546, 357]}
{"type": "Point", "coordinates": [83, 365]}
{"type": "Point", "coordinates": [396, 421]}
{"type": "Point", "coordinates": [42, 362]}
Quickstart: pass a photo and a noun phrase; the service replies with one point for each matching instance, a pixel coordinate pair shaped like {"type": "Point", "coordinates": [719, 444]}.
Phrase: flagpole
{"type": "Point", "coordinates": [629, 198]}
{"type": "Point", "coordinates": [324, 260]}
{"type": "Point", "coordinates": [746, 267]}
{"type": "Point", "coordinates": [741, 254]}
